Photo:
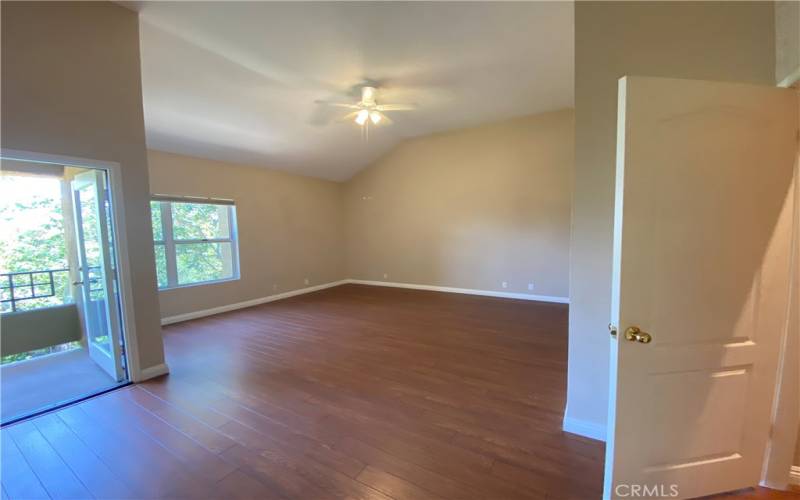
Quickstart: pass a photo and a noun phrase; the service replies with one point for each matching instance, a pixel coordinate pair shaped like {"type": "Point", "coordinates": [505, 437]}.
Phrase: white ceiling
{"type": "Point", "coordinates": [237, 81]}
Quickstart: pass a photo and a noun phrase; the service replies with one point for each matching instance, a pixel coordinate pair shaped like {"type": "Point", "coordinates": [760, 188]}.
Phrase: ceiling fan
{"type": "Point", "coordinates": [367, 111]}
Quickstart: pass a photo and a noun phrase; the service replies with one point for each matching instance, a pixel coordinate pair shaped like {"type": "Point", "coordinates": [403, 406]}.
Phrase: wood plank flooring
{"type": "Point", "coordinates": [349, 393]}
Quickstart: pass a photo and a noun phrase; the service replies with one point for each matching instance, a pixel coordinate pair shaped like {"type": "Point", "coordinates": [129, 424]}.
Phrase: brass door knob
{"type": "Point", "coordinates": [634, 334]}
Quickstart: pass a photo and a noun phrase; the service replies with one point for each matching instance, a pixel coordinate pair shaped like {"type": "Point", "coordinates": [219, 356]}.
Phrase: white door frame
{"type": "Point", "coordinates": [778, 464]}
{"type": "Point", "coordinates": [114, 171]}
{"type": "Point", "coordinates": [785, 415]}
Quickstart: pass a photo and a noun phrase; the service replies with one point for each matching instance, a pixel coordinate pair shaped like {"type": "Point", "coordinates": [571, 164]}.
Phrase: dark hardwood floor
{"type": "Point", "coordinates": [351, 393]}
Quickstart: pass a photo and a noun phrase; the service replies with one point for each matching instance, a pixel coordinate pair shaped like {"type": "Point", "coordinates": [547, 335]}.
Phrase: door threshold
{"type": "Point", "coordinates": [65, 404]}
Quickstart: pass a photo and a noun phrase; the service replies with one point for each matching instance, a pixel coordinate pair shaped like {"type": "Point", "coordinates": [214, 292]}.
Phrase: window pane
{"type": "Point", "coordinates": [203, 262]}
{"type": "Point", "coordinates": [195, 221]}
{"type": "Point", "coordinates": [161, 265]}
{"type": "Point", "coordinates": [89, 211]}
{"type": "Point", "coordinates": [155, 209]}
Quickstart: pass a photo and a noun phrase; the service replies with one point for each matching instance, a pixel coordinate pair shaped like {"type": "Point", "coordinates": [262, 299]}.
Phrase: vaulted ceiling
{"type": "Point", "coordinates": [238, 81]}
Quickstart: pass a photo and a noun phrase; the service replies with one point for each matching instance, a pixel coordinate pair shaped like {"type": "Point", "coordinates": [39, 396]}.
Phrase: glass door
{"type": "Point", "coordinates": [97, 276]}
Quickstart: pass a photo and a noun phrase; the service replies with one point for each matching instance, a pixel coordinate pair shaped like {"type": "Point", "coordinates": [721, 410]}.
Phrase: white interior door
{"type": "Point", "coordinates": [97, 282]}
{"type": "Point", "coordinates": [701, 259]}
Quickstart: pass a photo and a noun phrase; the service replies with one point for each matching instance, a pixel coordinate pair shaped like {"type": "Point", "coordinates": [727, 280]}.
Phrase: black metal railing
{"type": "Point", "coordinates": [29, 285]}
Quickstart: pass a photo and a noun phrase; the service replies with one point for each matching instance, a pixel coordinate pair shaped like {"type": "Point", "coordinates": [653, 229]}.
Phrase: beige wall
{"type": "Point", "coordinates": [71, 85]}
{"type": "Point", "coordinates": [468, 209]}
{"type": "Point", "coordinates": [731, 41]}
{"type": "Point", "coordinates": [290, 228]}
{"type": "Point", "coordinates": [787, 39]}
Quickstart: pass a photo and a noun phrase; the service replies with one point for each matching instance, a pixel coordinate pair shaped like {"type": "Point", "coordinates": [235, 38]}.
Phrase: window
{"type": "Point", "coordinates": [195, 242]}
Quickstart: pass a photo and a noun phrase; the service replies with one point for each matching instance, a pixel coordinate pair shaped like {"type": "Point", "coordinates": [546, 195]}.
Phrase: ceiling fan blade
{"type": "Point", "coordinates": [395, 107]}
{"type": "Point", "coordinates": [348, 117]}
{"type": "Point", "coordinates": [339, 104]}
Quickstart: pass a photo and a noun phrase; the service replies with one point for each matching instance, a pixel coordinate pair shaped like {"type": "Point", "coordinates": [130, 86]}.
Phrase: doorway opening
{"type": "Point", "coordinates": [61, 328]}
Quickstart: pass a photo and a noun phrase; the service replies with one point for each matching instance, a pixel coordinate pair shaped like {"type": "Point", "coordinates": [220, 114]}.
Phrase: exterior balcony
{"type": "Point", "coordinates": [45, 360]}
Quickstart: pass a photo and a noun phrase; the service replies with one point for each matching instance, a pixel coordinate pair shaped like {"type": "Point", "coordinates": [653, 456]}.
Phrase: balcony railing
{"type": "Point", "coordinates": [39, 286]}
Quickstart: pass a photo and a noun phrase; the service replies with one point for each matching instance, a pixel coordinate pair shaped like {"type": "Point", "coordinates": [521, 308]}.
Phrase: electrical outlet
{"type": "Point", "coordinates": [530, 287]}
{"type": "Point", "coordinates": [385, 276]}
{"type": "Point", "coordinates": [274, 286]}
{"type": "Point", "coordinates": [306, 281]}
{"type": "Point", "coordinates": [505, 284]}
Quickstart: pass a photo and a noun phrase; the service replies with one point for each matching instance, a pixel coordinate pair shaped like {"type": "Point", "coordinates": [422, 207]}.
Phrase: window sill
{"type": "Point", "coordinates": [199, 283]}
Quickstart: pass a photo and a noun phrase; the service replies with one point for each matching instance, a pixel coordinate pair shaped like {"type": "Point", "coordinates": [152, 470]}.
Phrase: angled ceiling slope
{"type": "Point", "coordinates": [238, 81]}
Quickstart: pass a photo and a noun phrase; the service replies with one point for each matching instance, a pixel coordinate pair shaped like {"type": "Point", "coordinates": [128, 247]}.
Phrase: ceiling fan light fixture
{"type": "Point", "coordinates": [367, 111]}
{"type": "Point", "coordinates": [361, 117]}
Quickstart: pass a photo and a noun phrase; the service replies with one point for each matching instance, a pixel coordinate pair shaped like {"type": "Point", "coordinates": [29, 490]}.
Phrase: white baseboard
{"type": "Point", "coordinates": [791, 79]}
{"type": "Point", "coordinates": [584, 428]}
{"type": "Point", "coordinates": [794, 475]}
{"type": "Point", "coordinates": [468, 291]}
{"type": "Point", "coordinates": [152, 372]}
{"type": "Point", "coordinates": [248, 303]}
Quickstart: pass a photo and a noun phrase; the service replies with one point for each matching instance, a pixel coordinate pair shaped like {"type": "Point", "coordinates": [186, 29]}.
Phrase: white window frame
{"type": "Point", "coordinates": [170, 243]}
